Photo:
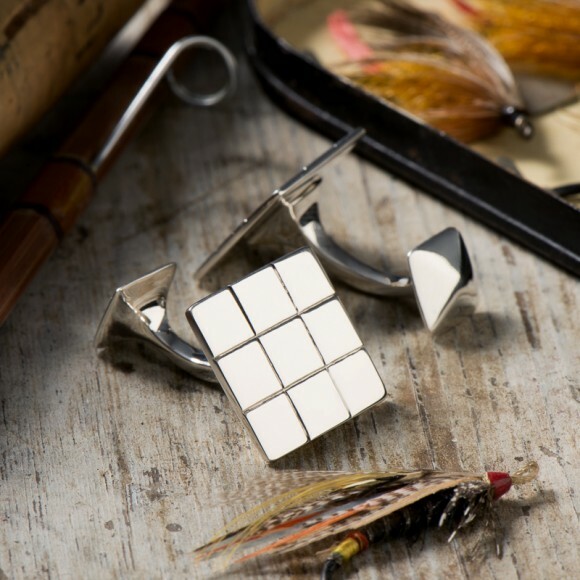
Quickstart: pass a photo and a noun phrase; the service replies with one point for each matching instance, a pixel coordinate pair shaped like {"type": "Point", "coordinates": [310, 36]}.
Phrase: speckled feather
{"type": "Point", "coordinates": [326, 505]}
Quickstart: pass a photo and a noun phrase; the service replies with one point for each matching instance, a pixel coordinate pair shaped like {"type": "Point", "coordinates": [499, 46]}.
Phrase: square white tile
{"type": "Point", "coordinates": [292, 351]}
{"type": "Point", "coordinates": [304, 278]}
{"type": "Point", "coordinates": [264, 299]}
{"type": "Point", "coordinates": [277, 427]}
{"type": "Point", "coordinates": [249, 374]}
{"type": "Point", "coordinates": [221, 321]}
{"type": "Point", "coordinates": [332, 331]}
{"type": "Point", "coordinates": [358, 381]}
{"type": "Point", "coordinates": [318, 404]}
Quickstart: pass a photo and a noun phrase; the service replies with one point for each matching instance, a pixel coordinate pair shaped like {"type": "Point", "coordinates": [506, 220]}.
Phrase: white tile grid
{"type": "Point", "coordinates": [343, 385]}
{"type": "Point", "coordinates": [312, 385]}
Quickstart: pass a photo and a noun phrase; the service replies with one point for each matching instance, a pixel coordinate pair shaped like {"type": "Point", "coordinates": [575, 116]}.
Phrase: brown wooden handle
{"type": "Point", "coordinates": [61, 191]}
{"type": "Point", "coordinates": [27, 238]}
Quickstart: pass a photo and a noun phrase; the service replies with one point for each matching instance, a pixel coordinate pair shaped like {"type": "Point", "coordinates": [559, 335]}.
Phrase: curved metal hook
{"type": "Point", "coordinates": [162, 69]}
{"type": "Point", "coordinates": [346, 267]}
{"type": "Point", "coordinates": [138, 311]}
{"type": "Point", "coordinates": [289, 219]}
{"type": "Point", "coordinates": [441, 276]}
{"type": "Point", "coordinates": [207, 99]}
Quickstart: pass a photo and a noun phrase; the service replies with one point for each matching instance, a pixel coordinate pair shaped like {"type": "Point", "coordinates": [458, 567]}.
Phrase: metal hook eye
{"type": "Point", "coordinates": [163, 68]}
{"type": "Point", "coordinates": [200, 99]}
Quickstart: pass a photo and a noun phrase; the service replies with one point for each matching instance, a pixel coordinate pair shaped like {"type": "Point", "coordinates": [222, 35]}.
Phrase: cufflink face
{"type": "Point", "coordinates": [286, 353]}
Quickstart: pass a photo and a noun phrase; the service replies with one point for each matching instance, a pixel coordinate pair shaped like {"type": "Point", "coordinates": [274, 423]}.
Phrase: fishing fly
{"type": "Point", "coordinates": [448, 76]}
{"type": "Point", "coordinates": [365, 508]}
{"type": "Point", "coordinates": [540, 37]}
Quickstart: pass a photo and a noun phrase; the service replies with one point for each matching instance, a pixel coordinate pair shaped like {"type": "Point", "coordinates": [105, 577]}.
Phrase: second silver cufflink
{"type": "Point", "coordinates": [440, 272]}
{"type": "Point", "coordinates": [278, 341]}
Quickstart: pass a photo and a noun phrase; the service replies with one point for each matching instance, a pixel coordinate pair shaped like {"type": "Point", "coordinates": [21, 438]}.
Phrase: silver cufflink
{"type": "Point", "coordinates": [440, 273]}
{"type": "Point", "coordinates": [278, 341]}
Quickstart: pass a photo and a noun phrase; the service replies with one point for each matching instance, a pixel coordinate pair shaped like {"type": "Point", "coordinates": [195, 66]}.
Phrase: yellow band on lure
{"type": "Point", "coordinates": [347, 549]}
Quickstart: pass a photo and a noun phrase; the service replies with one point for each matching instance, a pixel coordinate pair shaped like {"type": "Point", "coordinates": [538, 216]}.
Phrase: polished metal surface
{"type": "Point", "coordinates": [443, 280]}
{"type": "Point", "coordinates": [274, 226]}
{"type": "Point", "coordinates": [161, 70]}
{"type": "Point", "coordinates": [138, 311]}
{"type": "Point", "coordinates": [345, 267]}
{"type": "Point", "coordinates": [286, 353]}
{"type": "Point", "coordinates": [289, 219]}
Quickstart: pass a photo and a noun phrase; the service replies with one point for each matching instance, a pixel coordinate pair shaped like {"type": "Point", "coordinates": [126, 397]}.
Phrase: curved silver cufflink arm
{"type": "Point", "coordinates": [440, 274]}
{"type": "Point", "coordinates": [138, 311]}
{"type": "Point", "coordinates": [346, 267]}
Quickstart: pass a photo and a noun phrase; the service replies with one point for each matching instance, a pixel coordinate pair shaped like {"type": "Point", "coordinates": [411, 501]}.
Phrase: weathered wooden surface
{"type": "Point", "coordinates": [113, 468]}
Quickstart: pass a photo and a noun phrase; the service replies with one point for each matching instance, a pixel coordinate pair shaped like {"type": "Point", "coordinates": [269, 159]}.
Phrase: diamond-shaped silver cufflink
{"type": "Point", "coordinates": [278, 341]}
{"type": "Point", "coordinates": [440, 273]}
{"type": "Point", "coordinates": [442, 280]}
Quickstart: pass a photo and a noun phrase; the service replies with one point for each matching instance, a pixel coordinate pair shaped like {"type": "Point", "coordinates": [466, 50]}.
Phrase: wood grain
{"type": "Point", "coordinates": [114, 468]}
{"type": "Point", "coordinates": [44, 45]}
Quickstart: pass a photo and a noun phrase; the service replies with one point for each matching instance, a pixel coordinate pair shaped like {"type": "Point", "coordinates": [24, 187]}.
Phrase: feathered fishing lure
{"type": "Point", "coordinates": [366, 507]}
{"type": "Point", "coordinates": [448, 76]}
{"type": "Point", "coordinates": [534, 36]}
